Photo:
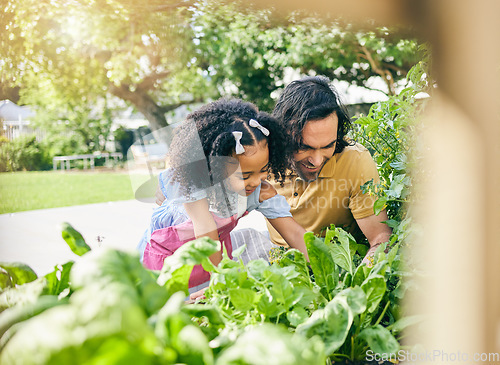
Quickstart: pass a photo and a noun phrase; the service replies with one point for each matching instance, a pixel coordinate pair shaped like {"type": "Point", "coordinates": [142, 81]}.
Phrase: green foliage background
{"type": "Point", "coordinates": [73, 60]}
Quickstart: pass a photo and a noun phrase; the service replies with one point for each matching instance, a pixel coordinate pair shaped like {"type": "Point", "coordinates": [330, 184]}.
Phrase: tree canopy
{"type": "Point", "coordinates": [67, 56]}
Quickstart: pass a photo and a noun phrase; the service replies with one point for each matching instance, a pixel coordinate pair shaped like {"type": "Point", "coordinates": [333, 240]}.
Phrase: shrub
{"type": "Point", "coordinates": [123, 139]}
{"type": "Point", "coordinates": [24, 153]}
{"type": "Point", "coordinates": [389, 131]}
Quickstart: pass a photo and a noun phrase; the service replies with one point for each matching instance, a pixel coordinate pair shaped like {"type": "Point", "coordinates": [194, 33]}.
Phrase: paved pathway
{"type": "Point", "coordinates": [34, 237]}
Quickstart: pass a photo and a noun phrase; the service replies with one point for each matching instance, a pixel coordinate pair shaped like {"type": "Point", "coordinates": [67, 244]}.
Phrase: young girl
{"type": "Point", "coordinates": [218, 162]}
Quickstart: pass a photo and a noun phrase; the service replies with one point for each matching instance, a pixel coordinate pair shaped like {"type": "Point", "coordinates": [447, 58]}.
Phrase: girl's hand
{"type": "Point", "coordinates": [292, 232]}
{"type": "Point", "coordinates": [197, 295]}
{"type": "Point", "coordinates": [204, 224]}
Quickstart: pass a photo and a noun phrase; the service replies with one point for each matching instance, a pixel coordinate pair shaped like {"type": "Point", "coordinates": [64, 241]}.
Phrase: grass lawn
{"type": "Point", "coordinates": [21, 191]}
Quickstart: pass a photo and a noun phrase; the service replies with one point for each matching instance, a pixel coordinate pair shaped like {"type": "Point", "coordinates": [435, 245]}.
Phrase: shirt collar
{"type": "Point", "coordinates": [329, 169]}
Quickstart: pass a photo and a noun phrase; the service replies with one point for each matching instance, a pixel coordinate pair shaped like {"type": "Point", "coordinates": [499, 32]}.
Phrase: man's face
{"type": "Point", "coordinates": [318, 145]}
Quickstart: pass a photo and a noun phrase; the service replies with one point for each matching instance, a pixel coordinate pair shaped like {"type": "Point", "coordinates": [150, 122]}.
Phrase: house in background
{"type": "Point", "coordinates": [15, 120]}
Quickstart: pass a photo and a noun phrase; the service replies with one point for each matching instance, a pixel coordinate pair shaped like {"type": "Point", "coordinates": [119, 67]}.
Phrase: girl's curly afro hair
{"type": "Point", "coordinates": [209, 129]}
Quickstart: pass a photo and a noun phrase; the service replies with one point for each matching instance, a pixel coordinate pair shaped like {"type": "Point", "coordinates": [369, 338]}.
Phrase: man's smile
{"type": "Point", "coordinates": [310, 168]}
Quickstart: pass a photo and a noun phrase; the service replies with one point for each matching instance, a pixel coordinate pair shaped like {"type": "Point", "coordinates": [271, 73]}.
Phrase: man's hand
{"type": "Point", "coordinates": [368, 259]}
{"type": "Point", "coordinates": [160, 198]}
{"type": "Point", "coordinates": [376, 232]}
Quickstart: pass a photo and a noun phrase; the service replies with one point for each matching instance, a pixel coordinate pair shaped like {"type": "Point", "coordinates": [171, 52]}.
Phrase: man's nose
{"type": "Point", "coordinates": [316, 158]}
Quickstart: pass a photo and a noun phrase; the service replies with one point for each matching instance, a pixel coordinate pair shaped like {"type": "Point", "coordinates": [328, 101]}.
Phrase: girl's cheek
{"type": "Point", "coordinates": [236, 184]}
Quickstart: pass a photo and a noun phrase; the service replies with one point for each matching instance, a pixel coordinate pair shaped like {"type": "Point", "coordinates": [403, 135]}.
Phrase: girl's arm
{"type": "Point", "coordinates": [287, 227]}
{"type": "Point", "coordinates": [204, 224]}
{"type": "Point", "coordinates": [292, 232]}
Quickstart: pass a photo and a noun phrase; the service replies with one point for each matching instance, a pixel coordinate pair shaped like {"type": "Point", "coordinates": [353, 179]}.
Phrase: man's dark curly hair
{"type": "Point", "coordinates": [311, 98]}
{"type": "Point", "coordinates": [210, 129]}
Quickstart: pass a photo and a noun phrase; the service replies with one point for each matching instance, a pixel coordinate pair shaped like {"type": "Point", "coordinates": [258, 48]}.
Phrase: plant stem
{"type": "Point", "coordinates": [361, 320]}
{"type": "Point", "coordinates": [342, 355]}
{"type": "Point", "coordinates": [387, 143]}
{"type": "Point", "coordinates": [394, 137]}
{"type": "Point", "coordinates": [383, 313]}
{"type": "Point", "coordinates": [371, 144]}
{"type": "Point", "coordinates": [352, 347]}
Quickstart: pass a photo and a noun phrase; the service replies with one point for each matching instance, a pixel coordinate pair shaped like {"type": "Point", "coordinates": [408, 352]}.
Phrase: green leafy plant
{"type": "Point", "coordinates": [24, 153]}
{"type": "Point", "coordinates": [350, 308]}
{"type": "Point", "coordinates": [113, 310]}
{"type": "Point", "coordinates": [390, 131]}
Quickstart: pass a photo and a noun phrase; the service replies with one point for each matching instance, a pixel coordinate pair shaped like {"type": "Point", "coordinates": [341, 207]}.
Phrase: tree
{"type": "Point", "coordinates": [252, 48]}
{"type": "Point", "coordinates": [156, 55]}
{"type": "Point", "coordinates": [138, 52]}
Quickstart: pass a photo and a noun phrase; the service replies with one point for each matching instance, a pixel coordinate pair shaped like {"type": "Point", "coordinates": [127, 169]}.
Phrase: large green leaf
{"type": "Point", "coordinates": [379, 268]}
{"type": "Point", "coordinates": [176, 280]}
{"type": "Point", "coordinates": [342, 251]}
{"type": "Point", "coordinates": [359, 276]}
{"type": "Point", "coordinates": [17, 274]}
{"type": "Point", "coordinates": [380, 340]}
{"type": "Point", "coordinates": [74, 239]}
{"type": "Point", "coordinates": [22, 312]}
{"type": "Point", "coordinates": [23, 294]}
{"type": "Point", "coordinates": [331, 324]}
{"type": "Point", "coordinates": [177, 268]}
{"type": "Point", "coordinates": [322, 264]}
{"type": "Point", "coordinates": [269, 344]}
{"type": "Point", "coordinates": [282, 291]}
{"type": "Point", "coordinates": [297, 315]}
{"type": "Point", "coordinates": [392, 254]}
{"type": "Point", "coordinates": [256, 269]}
{"type": "Point", "coordinates": [405, 322]}
{"type": "Point", "coordinates": [374, 289]}
{"type": "Point", "coordinates": [242, 299]}
{"type": "Point", "coordinates": [295, 258]}
{"type": "Point", "coordinates": [58, 280]}
{"type": "Point", "coordinates": [268, 305]}
{"type": "Point", "coordinates": [106, 266]}
{"type": "Point", "coordinates": [355, 298]}
{"type": "Point", "coordinates": [101, 317]}
{"type": "Point", "coordinates": [379, 205]}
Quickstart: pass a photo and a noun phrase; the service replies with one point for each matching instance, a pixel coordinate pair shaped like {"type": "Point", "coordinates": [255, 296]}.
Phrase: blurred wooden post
{"type": "Point", "coordinates": [462, 208]}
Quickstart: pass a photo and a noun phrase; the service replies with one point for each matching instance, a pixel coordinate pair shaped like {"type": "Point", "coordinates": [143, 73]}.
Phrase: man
{"type": "Point", "coordinates": [328, 169]}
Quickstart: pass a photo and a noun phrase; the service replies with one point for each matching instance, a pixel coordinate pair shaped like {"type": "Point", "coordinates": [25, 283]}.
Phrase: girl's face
{"type": "Point", "coordinates": [253, 169]}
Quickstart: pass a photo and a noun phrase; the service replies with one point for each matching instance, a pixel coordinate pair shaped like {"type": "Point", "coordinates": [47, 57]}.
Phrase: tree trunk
{"type": "Point", "coordinates": [145, 104]}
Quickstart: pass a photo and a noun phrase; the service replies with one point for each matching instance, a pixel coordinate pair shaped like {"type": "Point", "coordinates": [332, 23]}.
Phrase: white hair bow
{"type": "Point", "coordinates": [239, 149]}
{"type": "Point", "coordinates": [255, 124]}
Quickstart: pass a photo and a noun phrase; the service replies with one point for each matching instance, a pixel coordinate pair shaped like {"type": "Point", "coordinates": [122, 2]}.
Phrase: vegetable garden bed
{"type": "Point", "coordinates": [107, 308]}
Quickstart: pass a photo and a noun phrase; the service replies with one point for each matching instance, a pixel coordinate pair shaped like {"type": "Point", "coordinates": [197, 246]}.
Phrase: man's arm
{"type": "Point", "coordinates": [375, 231]}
